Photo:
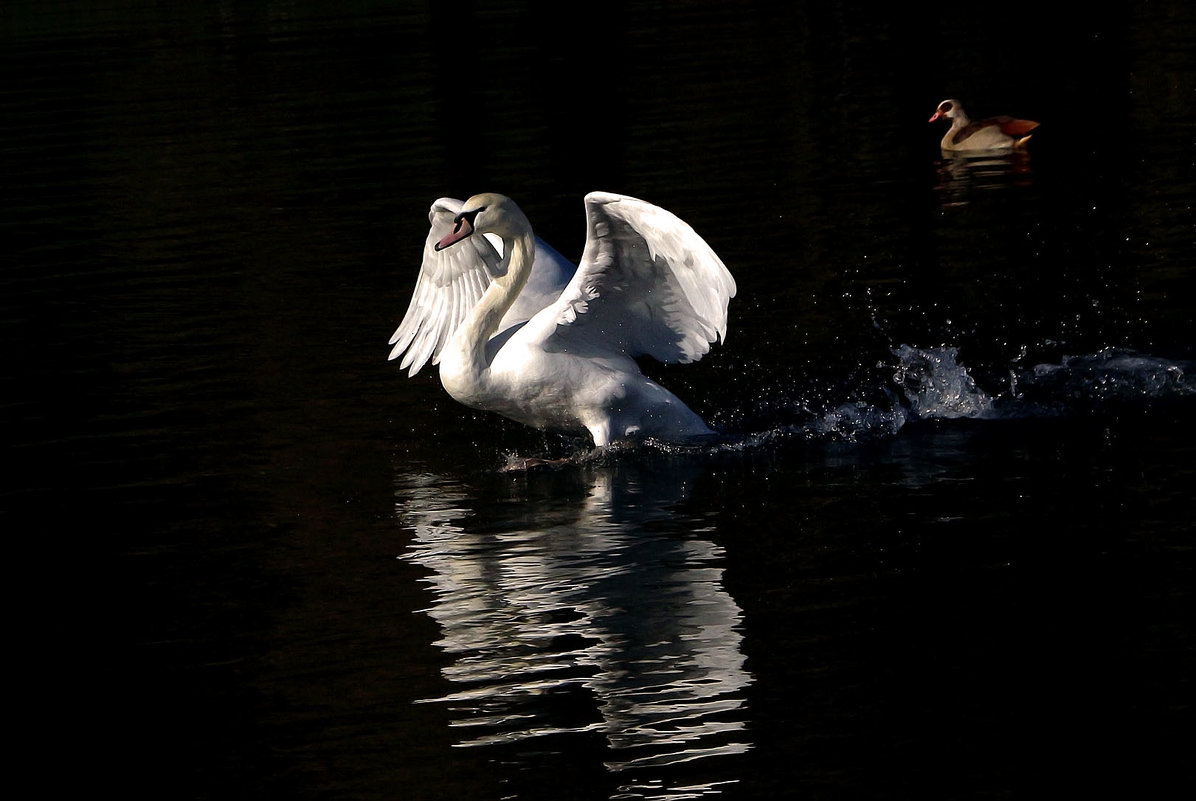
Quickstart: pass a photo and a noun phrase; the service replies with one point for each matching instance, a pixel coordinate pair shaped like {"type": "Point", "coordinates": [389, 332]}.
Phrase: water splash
{"type": "Point", "coordinates": [923, 384]}
{"type": "Point", "coordinates": [1109, 378]}
{"type": "Point", "coordinates": [916, 385]}
{"type": "Point", "coordinates": [928, 384]}
{"type": "Point", "coordinates": [936, 385]}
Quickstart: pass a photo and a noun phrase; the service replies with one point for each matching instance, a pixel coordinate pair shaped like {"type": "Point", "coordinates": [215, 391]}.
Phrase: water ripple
{"type": "Point", "coordinates": [576, 625]}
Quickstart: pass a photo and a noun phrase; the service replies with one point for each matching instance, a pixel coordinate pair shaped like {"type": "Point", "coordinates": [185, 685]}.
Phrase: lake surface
{"type": "Point", "coordinates": [945, 549]}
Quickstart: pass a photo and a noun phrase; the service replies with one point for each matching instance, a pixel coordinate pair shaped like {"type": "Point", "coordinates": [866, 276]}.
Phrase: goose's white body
{"type": "Point", "coordinates": [994, 133]}
{"type": "Point", "coordinates": [515, 334]}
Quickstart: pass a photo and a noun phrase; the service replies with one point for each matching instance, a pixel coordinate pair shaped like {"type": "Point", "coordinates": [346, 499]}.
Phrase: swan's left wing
{"type": "Point", "coordinates": [647, 284]}
{"type": "Point", "coordinates": [450, 282]}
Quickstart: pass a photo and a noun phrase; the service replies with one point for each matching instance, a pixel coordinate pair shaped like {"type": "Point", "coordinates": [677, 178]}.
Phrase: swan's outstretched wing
{"type": "Point", "coordinates": [452, 280]}
{"type": "Point", "coordinates": [647, 285]}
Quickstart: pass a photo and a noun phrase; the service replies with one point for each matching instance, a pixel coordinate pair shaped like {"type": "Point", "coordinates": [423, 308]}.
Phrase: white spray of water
{"type": "Point", "coordinates": [935, 385]}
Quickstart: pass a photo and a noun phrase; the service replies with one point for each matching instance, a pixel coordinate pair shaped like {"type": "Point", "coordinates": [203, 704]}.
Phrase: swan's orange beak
{"type": "Point", "coordinates": [460, 231]}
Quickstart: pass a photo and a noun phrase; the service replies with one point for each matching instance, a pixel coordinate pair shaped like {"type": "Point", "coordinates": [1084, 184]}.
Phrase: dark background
{"type": "Point", "coordinates": [212, 215]}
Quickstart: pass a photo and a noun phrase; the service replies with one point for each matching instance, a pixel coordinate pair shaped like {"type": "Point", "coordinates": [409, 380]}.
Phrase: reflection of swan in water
{"type": "Point", "coordinates": [574, 597]}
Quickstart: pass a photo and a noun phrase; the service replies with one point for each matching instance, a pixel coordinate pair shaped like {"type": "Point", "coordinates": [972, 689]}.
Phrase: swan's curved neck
{"type": "Point", "coordinates": [469, 341]}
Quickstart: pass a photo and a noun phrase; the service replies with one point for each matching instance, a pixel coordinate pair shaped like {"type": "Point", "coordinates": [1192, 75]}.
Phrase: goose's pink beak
{"type": "Point", "coordinates": [934, 116]}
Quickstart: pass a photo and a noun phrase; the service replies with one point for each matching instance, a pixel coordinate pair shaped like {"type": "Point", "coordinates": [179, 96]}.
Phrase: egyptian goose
{"type": "Point", "coordinates": [994, 133]}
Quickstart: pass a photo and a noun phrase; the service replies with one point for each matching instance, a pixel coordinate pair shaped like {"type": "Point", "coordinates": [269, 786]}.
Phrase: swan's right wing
{"type": "Point", "coordinates": [647, 285]}
{"type": "Point", "coordinates": [450, 282]}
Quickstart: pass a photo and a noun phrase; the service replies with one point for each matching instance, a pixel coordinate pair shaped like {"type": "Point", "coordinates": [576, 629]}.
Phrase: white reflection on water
{"type": "Point", "coordinates": [587, 606]}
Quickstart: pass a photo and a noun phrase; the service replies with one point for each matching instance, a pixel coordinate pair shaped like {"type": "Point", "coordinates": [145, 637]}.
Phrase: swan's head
{"type": "Point", "coordinates": [487, 213]}
{"type": "Point", "coordinates": [948, 109]}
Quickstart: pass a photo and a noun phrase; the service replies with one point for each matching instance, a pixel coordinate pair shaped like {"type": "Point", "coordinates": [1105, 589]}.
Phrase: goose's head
{"type": "Point", "coordinates": [488, 214]}
{"type": "Point", "coordinates": [948, 109]}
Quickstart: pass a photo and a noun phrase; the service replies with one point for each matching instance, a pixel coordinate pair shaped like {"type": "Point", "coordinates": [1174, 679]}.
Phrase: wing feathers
{"type": "Point", "coordinates": [451, 281]}
{"type": "Point", "coordinates": [1016, 127]}
{"type": "Point", "coordinates": [1011, 126]}
{"type": "Point", "coordinates": [648, 285]}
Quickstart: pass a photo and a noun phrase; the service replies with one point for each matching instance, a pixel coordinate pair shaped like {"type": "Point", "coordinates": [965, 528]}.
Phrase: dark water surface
{"type": "Point", "coordinates": [946, 550]}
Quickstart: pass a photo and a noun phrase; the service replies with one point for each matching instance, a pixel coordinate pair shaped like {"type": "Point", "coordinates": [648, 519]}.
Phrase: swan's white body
{"type": "Point", "coordinates": [512, 337]}
{"type": "Point", "coordinates": [994, 133]}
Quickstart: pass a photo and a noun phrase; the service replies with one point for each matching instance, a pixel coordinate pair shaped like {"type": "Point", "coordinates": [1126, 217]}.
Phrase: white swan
{"type": "Point", "coordinates": [514, 334]}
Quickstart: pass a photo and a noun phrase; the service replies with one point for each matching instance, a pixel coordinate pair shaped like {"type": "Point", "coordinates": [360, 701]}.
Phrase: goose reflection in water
{"type": "Point", "coordinates": [587, 608]}
{"type": "Point", "coordinates": [958, 175]}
